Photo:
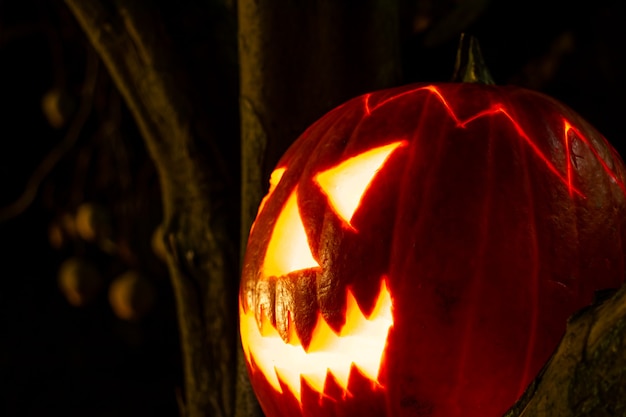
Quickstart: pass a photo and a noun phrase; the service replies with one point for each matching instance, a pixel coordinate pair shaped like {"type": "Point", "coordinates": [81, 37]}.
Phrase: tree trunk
{"type": "Point", "coordinates": [298, 60]}
{"type": "Point", "coordinates": [586, 376]}
{"type": "Point", "coordinates": [130, 38]}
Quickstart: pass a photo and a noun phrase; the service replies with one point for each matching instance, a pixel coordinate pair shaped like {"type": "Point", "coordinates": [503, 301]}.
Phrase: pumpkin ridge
{"type": "Point", "coordinates": [534, 280]}
{"type": "Point", "coordinates": [478, 275]}
{"type": "Point", "coordinates": [428, 178]}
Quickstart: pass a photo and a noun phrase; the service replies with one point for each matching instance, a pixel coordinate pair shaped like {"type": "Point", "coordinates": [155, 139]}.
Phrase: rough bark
{"type": "Point", "coordinates": [131, 41]}
{"type": "Point", "coordinates": [298, 60]}
{"type": "Point", "coordinates": [586, 377]}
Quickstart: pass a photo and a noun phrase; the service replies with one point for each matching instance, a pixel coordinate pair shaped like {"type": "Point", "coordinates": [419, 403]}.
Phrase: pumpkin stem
{"type": "Point", "coordinates": [469, 66]}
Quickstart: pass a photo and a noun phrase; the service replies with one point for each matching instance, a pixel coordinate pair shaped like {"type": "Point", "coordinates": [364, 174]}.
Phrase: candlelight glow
{"type": "Point", "coordinates": [288, 249]}
{"type": "Point", "coordinates": [275, 178]}
{"type": "Point", "coordinates": [361, 342]}
{"type": "Point", "coordinates": [346, 183]}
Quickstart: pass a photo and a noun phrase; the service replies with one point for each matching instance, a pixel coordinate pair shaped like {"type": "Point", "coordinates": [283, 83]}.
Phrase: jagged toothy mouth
{"type": "Point", "coordinates": [360, 343]}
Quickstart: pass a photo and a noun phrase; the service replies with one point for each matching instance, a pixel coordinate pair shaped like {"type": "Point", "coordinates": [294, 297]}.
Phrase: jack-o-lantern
{"type": "Point", "coordinates": [421, 248]}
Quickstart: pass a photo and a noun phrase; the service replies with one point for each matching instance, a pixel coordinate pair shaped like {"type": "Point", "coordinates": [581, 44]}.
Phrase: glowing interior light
{"type": "Point", "coordinates": [345, 184]}
{"type": "Point", "coordinates": [288, 249]}
{"type": "Point", "coordinates": [605, 167]}
{"type": "Point", "coordinates": [275, 178]}
{"type": "Point", "coordinates": [568, 157]}
{"type": "Point", "coordinates": [361, 342]}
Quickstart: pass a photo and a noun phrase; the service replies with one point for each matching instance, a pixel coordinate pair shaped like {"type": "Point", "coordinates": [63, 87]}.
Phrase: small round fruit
{"type": "Point", "coordinates": [93, 222]}
{"type": "Point", "coordinates": [57, 106]}
{"type": "Point", "coordinates": [79, 281]}
{"type": "Point", "coordinates": [131, 296]}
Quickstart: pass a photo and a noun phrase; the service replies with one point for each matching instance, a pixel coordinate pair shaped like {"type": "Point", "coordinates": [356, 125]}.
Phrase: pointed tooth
{"type": "Point", "coordinates": [306, 309]}
{"type": "Point", "coordinates": [332, 300]}
{"type": "Point", "coordinates": [264, 306]}
{"type": "Point", "coordinates": [285, 305]}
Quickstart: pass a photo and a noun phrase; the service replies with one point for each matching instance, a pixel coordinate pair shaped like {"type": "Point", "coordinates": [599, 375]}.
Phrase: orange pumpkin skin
{"type": "Point", "coordinates": [495, 217]}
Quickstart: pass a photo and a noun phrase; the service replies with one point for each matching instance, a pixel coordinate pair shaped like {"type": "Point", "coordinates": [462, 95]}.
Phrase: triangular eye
{"type": "Point", "coordinates": [275, 178]}
{"type": "Point", "coordinates": [346, 183]}
{"type": "Point", "coordinates": [288, 249]}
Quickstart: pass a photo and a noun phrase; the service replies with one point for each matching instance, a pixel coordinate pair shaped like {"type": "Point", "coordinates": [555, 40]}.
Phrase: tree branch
{"type": "Point", "coordinates": [58, 152]}
{"type": "Point", "coordinates": [202, 260]}
{"type": "Point", "coordinates": [586, 377]}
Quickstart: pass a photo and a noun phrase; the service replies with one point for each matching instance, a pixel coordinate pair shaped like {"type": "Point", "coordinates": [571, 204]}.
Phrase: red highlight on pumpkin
{"type": "Point", "coordinates": [566, 179]}
{"type": "Point", "coordinates": [568, 156]}
{"type": "Point", "coordinates": [569, 128]}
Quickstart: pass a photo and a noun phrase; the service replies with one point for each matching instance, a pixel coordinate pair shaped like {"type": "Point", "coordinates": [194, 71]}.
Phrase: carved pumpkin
{"type": "Point", "coordinates": [421, 248]}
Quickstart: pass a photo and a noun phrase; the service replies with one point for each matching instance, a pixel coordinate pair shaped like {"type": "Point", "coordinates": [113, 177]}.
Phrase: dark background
{"type": "Point", "coordinates": [58, 359]}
